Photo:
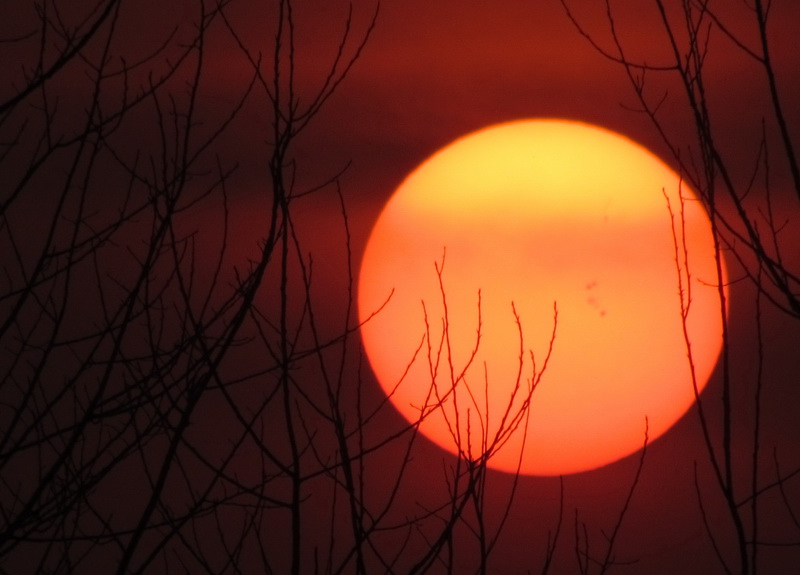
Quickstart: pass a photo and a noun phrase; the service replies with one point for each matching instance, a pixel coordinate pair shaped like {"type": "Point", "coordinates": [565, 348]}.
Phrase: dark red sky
{"type": "Point", "coordinates": [433, 71]}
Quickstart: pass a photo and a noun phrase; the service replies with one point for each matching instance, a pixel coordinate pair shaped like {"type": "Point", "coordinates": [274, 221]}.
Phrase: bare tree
{"type": "Point", "coordinates": [134, 436]}
{"type": "Point", "coordinates": [750, 230]}
{"type": "Point", "coordinates": [120, 328]}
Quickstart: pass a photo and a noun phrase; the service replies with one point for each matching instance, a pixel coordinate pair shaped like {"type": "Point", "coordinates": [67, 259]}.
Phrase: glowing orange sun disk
{"type": "Point", "coordinates": [536, 212]}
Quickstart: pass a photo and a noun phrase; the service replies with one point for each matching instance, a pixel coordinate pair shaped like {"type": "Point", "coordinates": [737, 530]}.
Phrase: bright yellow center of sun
{"type": "Point", "coordinates": [537, 212]}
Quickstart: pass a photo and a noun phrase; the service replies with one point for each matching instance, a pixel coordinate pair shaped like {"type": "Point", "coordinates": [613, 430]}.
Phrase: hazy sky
{"type": "Point", "coordinates": [435, 70]}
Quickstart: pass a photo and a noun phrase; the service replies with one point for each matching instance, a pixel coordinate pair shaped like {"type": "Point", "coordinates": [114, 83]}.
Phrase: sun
{"type": "Point", "coordinates": [481, 243]}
